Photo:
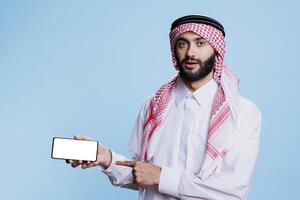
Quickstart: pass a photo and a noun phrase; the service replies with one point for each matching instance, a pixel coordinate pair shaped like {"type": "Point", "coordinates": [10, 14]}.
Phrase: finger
{"type": "Point", "coordinates": [86, 165]}
{"type": "Point", "coordinates": [69, 161]}
{"type": "Point", "coordinates": [126, 163]}
{"type": "Point", "coordinates": [75, 164]}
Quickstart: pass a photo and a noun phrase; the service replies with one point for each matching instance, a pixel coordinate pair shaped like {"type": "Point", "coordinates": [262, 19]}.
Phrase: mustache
{"type": "Point", "coordinates": [191, 60]}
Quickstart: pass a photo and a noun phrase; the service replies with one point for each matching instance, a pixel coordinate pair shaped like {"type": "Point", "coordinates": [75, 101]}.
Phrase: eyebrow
{"type": "Point", "coordinates": [186, 40]}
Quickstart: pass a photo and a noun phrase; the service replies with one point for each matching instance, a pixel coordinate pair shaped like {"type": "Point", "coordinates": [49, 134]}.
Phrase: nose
{"type": "Point", "coordinates": [191, 51]}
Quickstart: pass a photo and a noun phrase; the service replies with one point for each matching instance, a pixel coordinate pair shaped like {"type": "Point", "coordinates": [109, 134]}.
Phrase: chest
{"type": "Point", "coordinates": [181, 137]}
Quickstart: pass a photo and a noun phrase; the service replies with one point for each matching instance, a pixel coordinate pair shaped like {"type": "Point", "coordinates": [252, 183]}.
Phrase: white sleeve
{"type": "Point", "coordinates": [121, 175]}
{"type": "Point", "coordinates": [231, 182]}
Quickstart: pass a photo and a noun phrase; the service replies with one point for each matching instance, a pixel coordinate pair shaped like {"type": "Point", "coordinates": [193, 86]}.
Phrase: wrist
{"type": "Point", "coordinates": [107, 159]}
{"type": "Point", "coordinates": [158, 176]}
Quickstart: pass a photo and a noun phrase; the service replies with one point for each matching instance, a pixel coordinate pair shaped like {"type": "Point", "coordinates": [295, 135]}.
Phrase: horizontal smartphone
{"type": "Point", "coordinates": [66, 148]}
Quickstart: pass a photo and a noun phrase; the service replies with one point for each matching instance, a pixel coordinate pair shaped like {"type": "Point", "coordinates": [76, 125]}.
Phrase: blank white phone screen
{"type": "Point", "coordinates": [64, 148]}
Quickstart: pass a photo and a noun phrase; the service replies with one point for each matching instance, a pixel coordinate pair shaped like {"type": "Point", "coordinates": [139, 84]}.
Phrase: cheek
{"type": "Point", "coordinates": [206, 53]}
{"type": "Point", "coordinates": [180, 55]}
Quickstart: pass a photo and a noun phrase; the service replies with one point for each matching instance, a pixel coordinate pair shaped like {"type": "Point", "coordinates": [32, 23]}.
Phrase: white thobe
{"type": "Point", "coordinates": [179, 148]}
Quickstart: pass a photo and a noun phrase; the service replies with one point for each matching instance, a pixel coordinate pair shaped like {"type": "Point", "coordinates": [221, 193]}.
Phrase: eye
{"type": "Point", "coordinates": [200, 43]}
{"type": "Point", "coordinates": [181, 44]}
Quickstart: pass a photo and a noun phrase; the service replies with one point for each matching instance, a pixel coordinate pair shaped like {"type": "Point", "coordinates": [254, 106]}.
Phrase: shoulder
{"type": "Point", "coordinates": [144, 110]}
{"type": "Point", "coordinates": [248, 107]}
{"type": "Point", "coordinates": [249, 115]}
{"type": "Point", "coordinates": [161, 95]}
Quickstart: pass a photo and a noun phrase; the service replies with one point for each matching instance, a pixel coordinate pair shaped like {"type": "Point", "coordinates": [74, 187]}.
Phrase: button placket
{"type": "Point", "coordinates": [187, 128]}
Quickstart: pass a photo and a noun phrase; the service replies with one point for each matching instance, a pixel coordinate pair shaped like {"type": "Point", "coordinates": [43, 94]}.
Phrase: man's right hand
{"type": "Point", "coordinates": [103, 156]}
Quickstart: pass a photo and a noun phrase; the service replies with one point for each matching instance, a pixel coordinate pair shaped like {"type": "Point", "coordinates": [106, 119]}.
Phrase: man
{"type": "Point", "coordinates": [196, 137]}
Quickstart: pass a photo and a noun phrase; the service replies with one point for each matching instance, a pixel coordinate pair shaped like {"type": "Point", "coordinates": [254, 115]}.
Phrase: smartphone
{"type": "Point", "coordinates": [67, 148]}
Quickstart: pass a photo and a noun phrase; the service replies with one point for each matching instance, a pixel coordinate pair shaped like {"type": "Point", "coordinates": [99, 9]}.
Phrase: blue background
{"type": "Point", "coordinates": [69, 67]}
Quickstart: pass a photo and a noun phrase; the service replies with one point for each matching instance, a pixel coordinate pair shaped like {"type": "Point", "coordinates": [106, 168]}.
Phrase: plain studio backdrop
{"type": "Point", "coordinates": [69, 67]}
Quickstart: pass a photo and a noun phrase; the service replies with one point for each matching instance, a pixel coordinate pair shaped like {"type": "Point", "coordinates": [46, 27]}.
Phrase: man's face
{"type": "Point", "coordinates": [195, 57]}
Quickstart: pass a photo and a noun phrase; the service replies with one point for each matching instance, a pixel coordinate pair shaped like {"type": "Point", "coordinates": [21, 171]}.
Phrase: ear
{"type": "Point", "coordinates": [177, 65]}
{"type": "Point", "coordinates": [177, 61]}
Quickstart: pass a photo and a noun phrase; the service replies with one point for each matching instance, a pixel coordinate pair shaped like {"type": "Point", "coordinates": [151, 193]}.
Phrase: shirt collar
{"type": "Point", "coordinates": [204, 96]}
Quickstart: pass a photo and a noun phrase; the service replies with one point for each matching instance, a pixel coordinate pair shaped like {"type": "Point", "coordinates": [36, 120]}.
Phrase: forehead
{"type": "Point", "coordinates": [190, 35]}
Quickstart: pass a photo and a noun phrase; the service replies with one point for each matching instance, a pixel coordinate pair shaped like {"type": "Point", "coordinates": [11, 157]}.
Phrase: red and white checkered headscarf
{"type": "Point", "coordinates": [212, 35]}
{"type": "Point", "coordinates": [225, 104]}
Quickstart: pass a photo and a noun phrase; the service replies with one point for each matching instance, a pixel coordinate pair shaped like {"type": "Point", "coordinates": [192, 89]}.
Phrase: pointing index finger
{"type": "Point", "coordinates": [126, 163]}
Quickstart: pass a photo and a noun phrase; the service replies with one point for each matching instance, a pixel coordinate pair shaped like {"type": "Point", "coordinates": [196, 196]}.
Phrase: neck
{"type": "Point", "coordinates": [195, 85]}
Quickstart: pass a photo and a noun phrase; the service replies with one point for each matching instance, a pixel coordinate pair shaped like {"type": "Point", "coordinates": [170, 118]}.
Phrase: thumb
{"type": "Point", "coordinates": [82, 137]}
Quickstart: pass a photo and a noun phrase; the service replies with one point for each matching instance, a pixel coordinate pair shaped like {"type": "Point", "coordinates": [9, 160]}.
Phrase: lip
{"type": "Point", "coordinates": [190, 65]}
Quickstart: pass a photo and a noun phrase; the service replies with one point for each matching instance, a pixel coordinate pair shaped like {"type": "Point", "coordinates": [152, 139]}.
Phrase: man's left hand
{"type": "Point", "coordinates": [143, 173]}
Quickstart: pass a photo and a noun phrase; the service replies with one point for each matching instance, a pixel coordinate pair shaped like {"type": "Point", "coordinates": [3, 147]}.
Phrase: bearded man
{"type": "Point", "coordinates": [196, 137]}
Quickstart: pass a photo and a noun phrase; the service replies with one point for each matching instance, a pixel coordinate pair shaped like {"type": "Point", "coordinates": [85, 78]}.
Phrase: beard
{"type": "Point", "coordinates": [205, 67]}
